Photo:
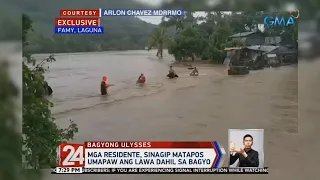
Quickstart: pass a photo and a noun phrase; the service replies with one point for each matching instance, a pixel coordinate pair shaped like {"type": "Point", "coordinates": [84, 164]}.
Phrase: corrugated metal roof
{"type": "Point", "coordinates": [262, 48]}
{"type": "Point", "coordinates": [232, 48]}
{"type": "Point", "coordinates": [271, 55]}
{"type": "Point", "coordinates": [242, 34]}
{"type": "Point", "coordinates": [273, 40]}
{"type": "Point", "coordinates": [282, 50]}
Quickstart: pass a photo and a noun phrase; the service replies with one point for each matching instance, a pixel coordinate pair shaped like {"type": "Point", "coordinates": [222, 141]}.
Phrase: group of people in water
{"type": "Point", "coordinates": [104, 87]}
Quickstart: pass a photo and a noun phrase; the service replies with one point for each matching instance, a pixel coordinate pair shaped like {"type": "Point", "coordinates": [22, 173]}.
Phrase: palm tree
{"type": "Point", "coordinates": [158, 38]}
{"type": "Point", "coordinates": [176, 21]}
{"type": "Point", "coordinates": [180, 22]}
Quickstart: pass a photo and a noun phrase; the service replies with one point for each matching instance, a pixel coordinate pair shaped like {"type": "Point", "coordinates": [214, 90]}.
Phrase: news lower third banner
{"type": "Point", "coordinates": [87, 21]}
{"type": "Point", "coordinates": [76, 25]}
{"type": "Point", "coordinates": [141, 155]}
{"type": "Point", "coordinates": [79, 30]}
{"type": "Point", "coordinates": [142, 12]}
{"type": "Point", "coordinates": [80, 170]}
{"type": "Point", "coordinates": [120, 12]}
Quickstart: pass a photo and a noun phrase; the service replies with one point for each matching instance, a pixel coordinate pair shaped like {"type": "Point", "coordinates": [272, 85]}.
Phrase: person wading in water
{"type": "Point", "coordinates": [172, 73]}
{"type": "Point", "coordinates": [48, 90]}
{"type": "Point", "coordinates": [141, 79]}
{"type": "Point", "coordinates": [104, 87]}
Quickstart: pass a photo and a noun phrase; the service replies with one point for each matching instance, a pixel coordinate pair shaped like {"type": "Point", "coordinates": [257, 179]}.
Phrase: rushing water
{"type": "Point", "coordinates": [75, 78]}
{"type": "Point", "coordinates": [201, 108]}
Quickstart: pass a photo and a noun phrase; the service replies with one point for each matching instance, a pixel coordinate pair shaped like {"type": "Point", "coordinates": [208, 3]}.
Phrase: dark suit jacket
{"type": "Point", "coordinates": [252, 160]}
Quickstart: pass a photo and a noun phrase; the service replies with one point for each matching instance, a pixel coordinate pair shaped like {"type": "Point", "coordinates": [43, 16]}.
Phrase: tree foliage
{"type": "Point", "coordinates": [157, 40]}
{"type": "Point", "coordinates": [209, 38]}
{"type": "Point", "coordinates": [41, 135]}
{"type": "Point", "coordinates": [10, 159]}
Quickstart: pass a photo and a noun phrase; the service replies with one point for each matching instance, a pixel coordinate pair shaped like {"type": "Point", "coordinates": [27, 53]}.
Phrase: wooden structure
{"type": "Point", "coordinates": [285, 54]}
{"type": "Point", "coordinates": [250, 57]}
{"type": "Point", "coordinates": [236, 67]}
{"type": "Point", "coordinates": [238, 70]}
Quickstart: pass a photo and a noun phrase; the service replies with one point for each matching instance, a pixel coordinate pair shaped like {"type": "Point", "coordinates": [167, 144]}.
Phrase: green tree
{"type": "Point", "coordinates": [41, 135]}
{"type": "Point", "coordinates": [10, 159]}
{"type": "Point", "coordinates": [209, 38]}
{"type": "Point", "coordinates": [158, 38]}
{"type": "Point", "coordinates": [189, 43]}
{"type": "Point", "coordinates": [206, 40]}
{"type": "Point", "coordinates": [169, 21]}
{"type": "Point", "coordinates": [179, 22]}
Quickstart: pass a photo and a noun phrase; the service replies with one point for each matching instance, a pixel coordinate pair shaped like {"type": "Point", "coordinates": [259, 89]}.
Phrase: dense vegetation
{"type": "Point", "coordinates": [10, 160]}
{"type": "Point", "coordinates": [206, 37]}
{"type": "Point", "coordinates": [41, 135]}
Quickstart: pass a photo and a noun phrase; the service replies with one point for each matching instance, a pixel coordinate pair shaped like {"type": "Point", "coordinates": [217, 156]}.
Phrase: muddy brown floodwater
{"type": "Point", "coordinates": [202, 109]}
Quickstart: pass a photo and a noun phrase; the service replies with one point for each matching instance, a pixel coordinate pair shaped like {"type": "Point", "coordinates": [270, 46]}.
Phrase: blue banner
{"type": "Point", "coordinates": [79, 30]}
{"type": "Point", "coordinates": [142, 12]}
{"type": "Point", "coordinates": [220, 154]}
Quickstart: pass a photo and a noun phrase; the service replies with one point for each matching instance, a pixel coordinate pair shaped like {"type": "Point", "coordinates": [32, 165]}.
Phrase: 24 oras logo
{"type": "Point", "coordinates": [270, 21]}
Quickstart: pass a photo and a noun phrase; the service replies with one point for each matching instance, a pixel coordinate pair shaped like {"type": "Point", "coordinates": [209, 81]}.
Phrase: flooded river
{"type": "Point", "coordinates": [75, 78]}
{"type": "Point", "coordinates": [185, 109]}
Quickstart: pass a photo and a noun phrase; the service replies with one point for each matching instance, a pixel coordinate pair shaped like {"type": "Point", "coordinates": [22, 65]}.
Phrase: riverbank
{"type": "Point", "coordinates": [203, 108]}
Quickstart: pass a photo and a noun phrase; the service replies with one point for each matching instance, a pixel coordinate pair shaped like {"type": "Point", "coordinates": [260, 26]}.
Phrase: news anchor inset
{"type": "Point", "coordinates": [247, 156]}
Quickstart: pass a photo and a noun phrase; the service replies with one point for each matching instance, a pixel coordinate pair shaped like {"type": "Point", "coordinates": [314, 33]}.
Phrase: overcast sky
{"type": "Point", "coordinates": [157, 3]}
{"type": "Point", "coordinates": [157, 19]}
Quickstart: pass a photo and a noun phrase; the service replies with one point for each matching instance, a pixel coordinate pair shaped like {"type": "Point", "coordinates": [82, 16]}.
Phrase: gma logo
{"type": "Point", "coordinates": [276, 21]}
